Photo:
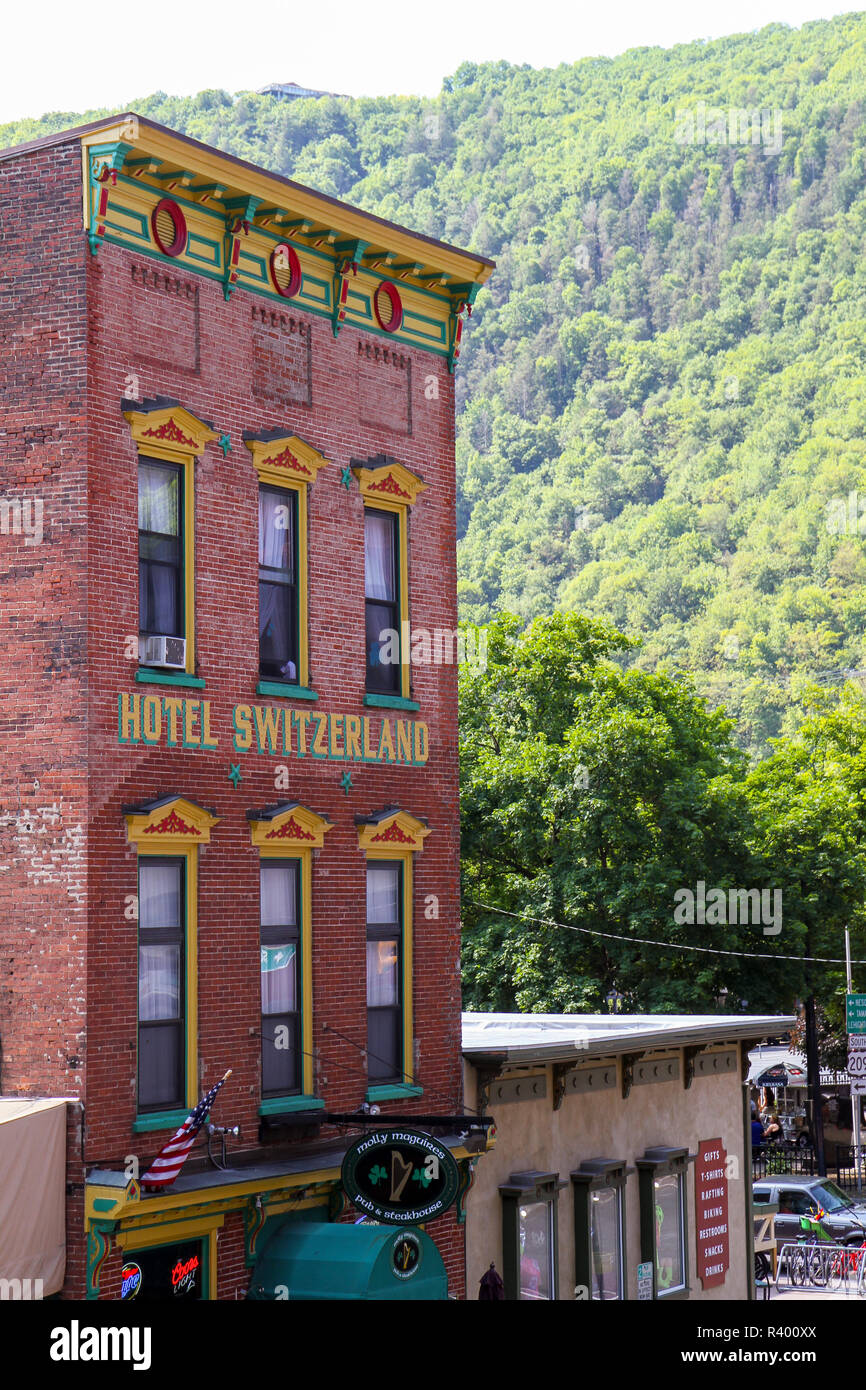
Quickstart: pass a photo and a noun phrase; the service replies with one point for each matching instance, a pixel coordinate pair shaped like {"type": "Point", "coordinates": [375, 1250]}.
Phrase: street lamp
{"type": "Point", "coordinates": [614, 999]}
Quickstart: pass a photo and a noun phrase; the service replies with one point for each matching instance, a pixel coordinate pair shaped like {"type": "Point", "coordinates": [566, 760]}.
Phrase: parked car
{"type": "Point", "coordinates": [797, 1195]}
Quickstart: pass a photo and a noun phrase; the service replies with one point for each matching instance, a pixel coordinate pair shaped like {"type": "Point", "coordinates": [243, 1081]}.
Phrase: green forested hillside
{"type": "Point", "coordinates": [665, 383]}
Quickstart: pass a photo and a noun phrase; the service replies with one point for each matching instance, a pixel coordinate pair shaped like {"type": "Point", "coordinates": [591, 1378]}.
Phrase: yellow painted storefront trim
{"type": "Point", "coordinates": [128, 1208]}
{"type": "Point", "coordinates": [273, 464]}
{"type": "Point", "coordinates": [205, 1228]}
{"type": "Point", "coordinates": [182, 442]}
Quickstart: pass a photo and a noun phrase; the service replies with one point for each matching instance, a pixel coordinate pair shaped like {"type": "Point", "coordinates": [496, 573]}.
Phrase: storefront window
{"type": "Point", "coordinates": [663, 1237]}
{"type": "Point", "coordinates": [165, 1273]}
{"type": "Point", "coordinates": [599, 1229]}
{"type": "Point", "coordinates": [605, 1243]}
{"type": "Point", "coordinates": [535, 1236]}
{"type": "Point", "coordinates": [669, 1232]}
{"type": "Point", "coordinates": [529, 1235]}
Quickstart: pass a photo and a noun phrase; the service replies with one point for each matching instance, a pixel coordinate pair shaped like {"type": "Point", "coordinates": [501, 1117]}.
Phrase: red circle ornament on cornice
{"type": "Point", "coordinates": [390, 292]}
{"type": "Point", "coordinates": [284, 258]}
{"type": "Point", "coordinates": [166, 208]}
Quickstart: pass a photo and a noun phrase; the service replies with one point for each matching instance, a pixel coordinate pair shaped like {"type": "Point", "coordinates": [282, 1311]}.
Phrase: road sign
{"type": "Point", "coordinates": [857, 1062]}
{"type": "Point", "coordinates": [858, 1085]}
{"type": "Point", "coordinates": [857, 1042]}
{"type": "Point", "coordinates": [645, 1280]}
{"type": "Point", "coordinates": [855, 1009]}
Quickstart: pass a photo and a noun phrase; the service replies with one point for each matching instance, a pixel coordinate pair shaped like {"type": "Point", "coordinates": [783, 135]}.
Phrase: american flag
{"type": "Point", "coordinates": [170, 1159]}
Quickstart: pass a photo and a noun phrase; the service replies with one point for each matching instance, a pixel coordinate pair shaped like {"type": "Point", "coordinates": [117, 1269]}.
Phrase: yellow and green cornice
{"type": "Point", "coordinates": [238, 218]}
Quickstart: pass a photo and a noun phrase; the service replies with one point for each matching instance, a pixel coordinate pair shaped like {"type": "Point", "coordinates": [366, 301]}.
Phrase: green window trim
{"type": "Point", "coordinates": [287, 1104]}
{"type": "Point", "coordinates": [152, 675]}
{"type": "Point", "coordinates": [285, 692]}
{"type": "Point", "coordinates": [659, 1163]}
{"type": "Point", "coordinates": [526, 1188]}
{"type": "Point", "coordinates": [165, 1119]}
{"type": "Point", "coordinates": [395, 1092]}
{"type": "Point", "coordinates": [591, 1176]}
{"type": "Point", "coordinates": [390, 702]}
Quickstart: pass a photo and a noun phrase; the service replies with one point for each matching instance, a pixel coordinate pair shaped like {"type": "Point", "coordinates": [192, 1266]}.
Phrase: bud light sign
{"type": "Point", "coordinates": [130, 1280]}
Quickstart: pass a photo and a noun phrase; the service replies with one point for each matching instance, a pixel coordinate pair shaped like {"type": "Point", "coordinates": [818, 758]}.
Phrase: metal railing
{"type": "Point", "coordinates": [773, 1159]}
{"type": "Point", "coordinates": [780, 1160]}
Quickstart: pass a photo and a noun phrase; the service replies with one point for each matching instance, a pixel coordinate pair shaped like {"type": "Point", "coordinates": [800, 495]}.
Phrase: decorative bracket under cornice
{"type": "Point", "coordinates": [486, 1077]}
{"type": "Point", "coordinates": [560, 1072]}
{"type": "Point", "coordinates": [629, 1062]}
{"type": "Point", "coordinates": [240, 213]}
{"type": "Point", "coordinates": [349, 256]}
{"type": "Point", "coordinates": [464, 299]}
{"type": "Point", "coordinates": [690, 1055]}
{"type": "Point", "coordinates": [105, 163]}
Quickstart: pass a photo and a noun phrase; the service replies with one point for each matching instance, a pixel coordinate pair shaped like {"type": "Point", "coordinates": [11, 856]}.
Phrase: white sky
{"type": "Point", "coordinates": [58, 56]}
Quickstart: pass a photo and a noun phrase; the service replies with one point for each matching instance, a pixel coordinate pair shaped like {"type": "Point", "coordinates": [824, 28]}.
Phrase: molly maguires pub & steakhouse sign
{"type": "Point", "coordinates": [176, 722]}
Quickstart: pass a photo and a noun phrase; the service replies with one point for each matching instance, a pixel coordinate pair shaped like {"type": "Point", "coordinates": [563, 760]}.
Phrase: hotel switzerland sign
{"type": "Point", "coordinates": [711, 1213]}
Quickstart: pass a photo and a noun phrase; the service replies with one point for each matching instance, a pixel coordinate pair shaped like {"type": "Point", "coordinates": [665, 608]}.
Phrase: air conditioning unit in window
{"type": "Point", "coordinates": [164, 651]}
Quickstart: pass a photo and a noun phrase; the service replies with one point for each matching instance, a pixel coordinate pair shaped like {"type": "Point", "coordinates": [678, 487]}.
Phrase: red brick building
{"type": "Point", "coordinates": [228, 802]}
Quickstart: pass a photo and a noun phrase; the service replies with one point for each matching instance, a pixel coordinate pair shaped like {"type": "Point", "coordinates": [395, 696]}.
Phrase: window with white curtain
{"type": "Point", "coordinates": [161, 981]}
{"type": "Point", "coordinates": [160, 549]}
{"type": "Point", "coordinates": [278, 584]}
{"type": "Point", "coordinates": [381, 549]}
{"type": "Point", "coordinates": [279, 881]}
{"type": "Point", "coordinates": [384, 968]}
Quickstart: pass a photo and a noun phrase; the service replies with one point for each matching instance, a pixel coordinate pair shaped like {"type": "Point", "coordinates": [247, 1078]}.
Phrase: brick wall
{"type": "Point", "coordinates": [43, 626]}
{"type": "Point", "coordinates": [145, 330]}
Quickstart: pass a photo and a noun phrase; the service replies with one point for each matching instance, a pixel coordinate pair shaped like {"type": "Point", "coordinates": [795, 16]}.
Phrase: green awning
{"type": "Point", "coordinates": [314, 1259]}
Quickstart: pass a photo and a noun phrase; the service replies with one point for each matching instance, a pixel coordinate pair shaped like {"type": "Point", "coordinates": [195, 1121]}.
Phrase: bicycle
{"type": "Point", "coordinates": [845, 1262]}
{"type": "Point", "coordinates": [806, 1265]}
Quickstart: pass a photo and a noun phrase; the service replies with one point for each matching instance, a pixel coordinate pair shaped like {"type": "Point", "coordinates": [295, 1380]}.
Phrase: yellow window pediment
{"type": "Point", "coordinates": [392, 835]}
{"type": "Point", "coordinates": [171, 825]}
{"type": "Point", "coordinates": [170, 433]}
{"type": "Point", "coordinates": [390, 483]}
{"type": "Point", "coordinates": [288, 459]}
{"type": "Point", "coordinates": [288, 828]}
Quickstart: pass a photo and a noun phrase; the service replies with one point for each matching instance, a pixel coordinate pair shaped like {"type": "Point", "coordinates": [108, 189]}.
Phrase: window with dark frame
{"type": "Point", "coordinates": [530, 1248]}
{"type": "Point", "coordinates": [280, 976]}
{"type": "Point", "coordinates": [278, 584]}
{"type": "Point", "coordinates": [160, 549]}
{"type": "Point", "coordinates": [161, 982]}
{"type": "Point", "coordinates": [663, 1218]}
{"type": "Point", "coordinates": [599, 1227]}
{"type": "Point", "coordinates": [384, 972]}
{"type": "Point", "coordinates": [382, 601]}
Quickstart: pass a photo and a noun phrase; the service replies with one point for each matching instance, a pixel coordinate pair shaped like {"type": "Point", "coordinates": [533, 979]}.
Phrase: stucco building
{"type": "Point", "coordinates": [622, 1159]}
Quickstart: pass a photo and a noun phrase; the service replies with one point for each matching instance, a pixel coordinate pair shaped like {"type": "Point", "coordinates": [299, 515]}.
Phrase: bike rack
{"type": "Point", "coordinates": [820, 1265]}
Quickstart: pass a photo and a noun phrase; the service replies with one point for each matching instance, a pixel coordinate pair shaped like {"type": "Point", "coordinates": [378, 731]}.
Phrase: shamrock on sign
{"type": "Point", "coordinates": [377, 1173]}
